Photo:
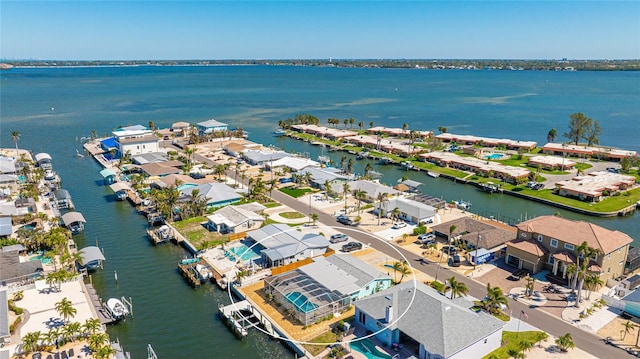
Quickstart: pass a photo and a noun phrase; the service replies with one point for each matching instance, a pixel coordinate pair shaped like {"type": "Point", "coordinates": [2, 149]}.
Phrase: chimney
{"type": "Point", "coordinates": [388, 314]}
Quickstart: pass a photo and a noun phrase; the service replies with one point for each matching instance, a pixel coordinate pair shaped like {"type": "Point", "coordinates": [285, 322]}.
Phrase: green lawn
{"type": "Point", "coordinates": [291, 215]}
{"type": "Point", "coordinates": [271, 221]}
{"type": "Point", "coordinates": [511, 341]}
{"type": "Point", "coordinates": [295, 192]}
{"type": "Point", "coordinates": [328, 337]}
{"type": "Point", "coordinates": [198, 235]}
{"type": "Point", "coordinates": [272, 204]}
{"type": "Point", "coordinates": [610, 204]}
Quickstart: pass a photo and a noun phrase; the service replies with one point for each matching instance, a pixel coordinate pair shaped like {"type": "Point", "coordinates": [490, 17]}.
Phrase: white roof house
{"type": "Point", "coordinates": [372, 189]}
{"type": "Point", "coordinates": [444, 328]}
{"type": "Point", "coordinates": [410, 210]}
{"type": "Point", "coordinates": [234, 219]}
{"type": "Point", "coordinates": [135, 140]}
{"type": "Point", "coordinates": [293, 163]}
{"type": "Point", "coordinates": [283, 244]}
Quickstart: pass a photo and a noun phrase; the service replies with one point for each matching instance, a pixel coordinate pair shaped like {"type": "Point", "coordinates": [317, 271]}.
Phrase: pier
{"type": "Point", "coordinates": [98, 304]}
{"type": "Point", "coordinates": [188, 271]}
{"type": "Point", "coordinates": [240, 322]}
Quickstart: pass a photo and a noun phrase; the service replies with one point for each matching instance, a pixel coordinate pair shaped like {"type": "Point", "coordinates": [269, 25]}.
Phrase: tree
{"type": "Point", "coordinates": [15, 137]}
{"type": "Point", "coordinates": [593, 282]}
{"type": "Point", "coordinates": [360, 124]}
{"type": "Point", "coordinates": [583, 127]}
{"type": "Point", "coordinates": [565, 342]}
{"type": "Point", "coordinates": [442, 129]}
{"type": "Point", "coordinates": [382, 198]}
{"type": "Point", "coordinates": [552, 135]}
{"type": "Point", "coordinates": [314, 218]}
{"type": "Point", "coordinates": [371, 124]}
{"type": "Point", "coordinates": [91, 326]}
{"type": "Point", "coordinates": [395, 214]}
{"type": "Point", "coordinates": [457, 288]}
{"type": "Point", "coordinates": [531, 282]}
{"type": "Point", "coordinates": [65, 308]}
{"type": "Point", "coordinates": [628, 328]}
{"type": "Point", "coordinates": [327, 188]}
{"type": "Point", "coordinates": [96, 340]}
{"type": "Point", "coordinates": [525, 346]}
{"type": "Point", "coordinates": [494, 300]}
{"type": "Point", "coordinates": [30, 342]}
{"type": "Point", "coordinates": [402, 268]}
{"type": "Point", "coordinates": [405, 126]}
{"type": "Point", "coordinates": [360, 195]}
{"type": "Point", "coordinates": [540, 337]}
{"type": "Point", "coordinates": [71, 331]}
{"type": "Point", "coordinates": [105, 352]}
{"type": "Point", "coordinates": [452, 229]}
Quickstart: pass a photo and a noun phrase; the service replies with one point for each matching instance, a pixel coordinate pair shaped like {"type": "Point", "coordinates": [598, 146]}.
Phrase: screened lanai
{"type": "Point", "coordinates": [309, 299]}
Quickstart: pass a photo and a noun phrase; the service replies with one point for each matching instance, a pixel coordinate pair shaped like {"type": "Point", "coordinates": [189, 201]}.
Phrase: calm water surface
{"type": "Point", "coordinates": [51, 108]}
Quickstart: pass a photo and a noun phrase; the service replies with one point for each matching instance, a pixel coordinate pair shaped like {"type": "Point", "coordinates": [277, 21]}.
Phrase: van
{"type": "Point", "coordinates": [454, 261]}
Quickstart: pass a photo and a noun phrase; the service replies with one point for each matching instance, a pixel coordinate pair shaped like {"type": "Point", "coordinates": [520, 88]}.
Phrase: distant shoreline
{"type": "Point", "coordinates": [473, 65]}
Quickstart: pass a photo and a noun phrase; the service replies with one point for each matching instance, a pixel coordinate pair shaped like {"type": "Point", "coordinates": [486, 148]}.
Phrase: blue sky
{"type": "Point", "coordinates": [127, 30]}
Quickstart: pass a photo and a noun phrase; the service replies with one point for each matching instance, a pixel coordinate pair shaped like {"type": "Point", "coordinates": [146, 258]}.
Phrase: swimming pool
{"type": "Point", "coordinates": [367, 348]}
{"type": "Point", "coordinates": [301, 302]}
{"type": "Point", "coordinates": [42, 259]}
{"type": "Point", "coordinates": [494, 156]}
{"type": "Point", "coordinates": [243, 252]}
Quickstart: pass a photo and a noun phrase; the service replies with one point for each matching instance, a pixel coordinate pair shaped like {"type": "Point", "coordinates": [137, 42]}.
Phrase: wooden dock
{"type": "Point", "coordinates": [96, 301]}
{"type": "Point", "coordinates": [188, 271]}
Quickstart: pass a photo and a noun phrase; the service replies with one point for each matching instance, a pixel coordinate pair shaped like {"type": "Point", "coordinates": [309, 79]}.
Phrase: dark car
{"type": "Point", "coordinates": [351, 246]}
{"type": "Point", "coordinates": [518, 274]}
{"type": "Point", "coordinates": [197, 175]}
{"type": "Point", "coordinates": [454, 261]}
{"type": "Point", "coordinates": [345, 221]}
{"type": "Point", "coordinates": [449, 250]}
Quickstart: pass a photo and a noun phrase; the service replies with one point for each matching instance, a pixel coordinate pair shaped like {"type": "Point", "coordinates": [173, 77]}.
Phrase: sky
{"type": "Point", "coordinates": [186, 30]}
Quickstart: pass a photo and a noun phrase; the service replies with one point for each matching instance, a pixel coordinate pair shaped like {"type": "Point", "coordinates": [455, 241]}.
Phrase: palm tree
{"type": "Point", "coordinates": [494, 300]}
{"type": "Point", "coordinates": [351, 122]}
{"type": "Point", "coordinates": [105, 352]}
{"type": "Point", "coordinates": [15, 137]}
{"type": "Point", "coordinates": [515, 354]}
{"type": "Point", "coordinates": [327, 188]}
{"type": "Point", "coordinates": [360, 195]}
{"type": "Point", "coordinates": [457, 288]}
{"type": "Point", "coordinates": [91, 326]}
{"type": "Point", "coordinates": [541, 336]}
{"type": "Point", "coordinates": [97, 340]}
{"type": "Point", "coordinates": [30, 342]}
{"type": "Point", "coordinates": [314, 218]}
{"type": "Point", "coordinates": [628, 328]}
{"type": "Point", "coordinates": [552, 135]}
{"type": "Point", "coordinates": [525, 346]}
{"type": "Point", "coordinates": [71, 331]}
{"type": "Point", "coordinates": [65, 309]}
{"type": "Point", "coordinates": [404, 127]}
{"type": "Point", "coordinates": [565, 342]}
{"type": "Point", "coordinates": [531, 282]}
{"type": "Point", "coordinates": [51, 336]}
{"type": "Point", "coordinates": [361, 124]}
{"type": "Point", "coordinates": [371, 124]}
{"type": "Point", "coordinates": [345, 191]}
{"type": "Point", "coordinates": [401, 267]}
{"type": "Point", "coordinates": [382, 198]}
{"type": "Point", "coordinates": [452, 229]}
{"type": "Point", "coordinates": [593, 282]}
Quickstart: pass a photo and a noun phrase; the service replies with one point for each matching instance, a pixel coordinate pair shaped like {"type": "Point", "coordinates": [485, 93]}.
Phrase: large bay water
{"type": "Point", "coordinates": [52, 108]}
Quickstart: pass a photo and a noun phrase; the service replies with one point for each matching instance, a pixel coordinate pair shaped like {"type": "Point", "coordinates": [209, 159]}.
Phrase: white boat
{"type": "Point", "coordinates": [279, 132]}
{"type": "Point", "coordinates": [462, 204]}
{"type": "Point", "coordinates": [407, 165]}
{"type": "Point", "coordinates": [204, 272]}
{"type": "Point", "coordinates": [322, 158]}
{"type": "Point", "coordinates": [384, 161]}
{"type": "Point", "coordinates": [78, 154]}
{"type": "Point", "coordinates": [433, 174]}
{"type": "Point", "coordinates": [117, 309]}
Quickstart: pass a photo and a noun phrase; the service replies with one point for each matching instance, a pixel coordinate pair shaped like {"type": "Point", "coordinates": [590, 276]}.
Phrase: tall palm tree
{"type": "Point", "coordinates": [345, 192]}
{"type": "Point", "coordinates": [327, 188]}
{"type": "Point", "coordinates": [457, 288]}
{"type": "Point", "coordinates": [529, 287]}
{"type": "Point", "coordinates": [382, 198]}
{"type": "Point", "coordinates": [15, 137]}
{"type": "Point", "coordinates": [361, 124]}
{"type": "Point", "coordinates": [552, 135]}
{"type": "Point", "coordinates": [395, 213]}
{"type": "Point", "coordinates": [351, 122]}
{"type": "Point", "coordinates": [91, 326]}
{"type": "Point", "coordinates": [371, 124]}
{"type": "Point", "coordinates": [593, 282]}
{"type": "Point", "coordinates": [628, 328]}
{"type": "Point", "coordinates": [404, 127]}
{"type": "Point", "coordinates": [565, 342]}
{"type": "Point", "coordinates": [494, 299]}
{"type": "Point", "coordinates": [65, 308]}
{"type": "Point", "coordinates": [30, 342]}
{"type": "Point", "coordinates": [360, 195]}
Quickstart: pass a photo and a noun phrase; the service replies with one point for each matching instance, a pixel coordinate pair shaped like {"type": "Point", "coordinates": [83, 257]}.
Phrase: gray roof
{"type": "Point", "coordinates": [443, 326]}
{"type": "Point", "coordinates": [256, 156]}
{"type": "Point", "coordinates": [357, 268]}
{"type": "Point", "coordinates": [321, 175]}
{"type": "Point", "coordinates": [411, 183]}
{"type": "Point", "coordinates": [281, 241]}
{"type": "Point", "coordinates": [214, 192]}
{"type": "Point", "coordinates": [5, 226]}
{"type": "Point", "coordinates": [12, 268]}
{"type": "Point", "coordinates": [410, 207]}
{"type": "Point", "coordinates": [61, 194]}
{"type": "Point", "coordinates": [72, 217]}
{"type": "Point", "coordinates": [119, 186]}
{"type": "Point", "coordinates": [13, 248]}
{"type": "Point", "coordinates": [8, 178]}
{"type": "Point", "coordinates": [233, 216]}
{"type": "Point", "coordinates": [330, 276]}
{"type": "Point", "coordinates": [7, 165]}
{"type": "Point", "coordinates": [211, 123]}
{"type": "Point", "coordinates": [490, 236]}
{"type": "Point", "coordinates": [90, 254]}
{"type": "Point", "coordinates": [152, 157]}
{"type": "Point", "coordinates": [107, 172]}
{"type": "Point", "coordinates": [42, 156]}
{"type": "Point", "coordinates": [373, 189]}
{"type": "Point", "coordinates": [4, 315]}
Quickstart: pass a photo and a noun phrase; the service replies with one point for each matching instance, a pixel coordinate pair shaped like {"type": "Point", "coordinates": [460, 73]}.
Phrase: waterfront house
{"type": "Point", "coordinates": [320, 176]}
{"type": "Point", "coordinates": [180, 128]}
{"type": "Point", "coordinates": [595, 186]}
{"type": "Point", "coordinates": [135, 140]}
{"type": "Point", "coordinates": [425, 322]}
{"type": "Point", "coordinates": [323, 132]}
{"type": "Point", "coordinates": [157, 170]}
{"type": "Point", "coordinates": [43, 160]}
{"type": "Point", "coordinates": [151, 157]}
{"type": "Point", "coordinates": [179, 181]}
{"type": "Point", "coordinates": [370, 188]}
{"type": "Point", "coordinates": [216, 194]}
{"type": "Point", "coordinates": [412, 186]}
{"type": "Point", "coordinates": [396, 132]}
{"type": "Point", "coordinates": [8, 166]}
{"type": "Point", "coordinates": [328, 285]}
{"type": "Point", "coordinates": [262, 157]}
{"type": "Point", "coordinates": [389, 144]}
{"type": "Point", "coordinates": [280, 244]}
{"type": "Point", "coordinates": [293, 164]}
{"type": "Point", "coordinates": [26, 205]}
{"type": "Point", "coordinates": [236, 149]}
{"type": "Point", "coordinates": [486, 141]}
{"type": "Point", "coordinates": [210, 126]}
{"type": "Point", "coordinates": [604, 153]}
{"type": "Point", "coordinates": [410, 210]}
{"type": "Point", "coordinates": [551, 163]}
{"type": "Point", "coordinates": [550, 242]}
{"type": "Point", "coordinates": [236, 219]}
{"type": "Point", "coordinates": [12, 269]}
{"type": "Point", "coordinates": [480, 167]}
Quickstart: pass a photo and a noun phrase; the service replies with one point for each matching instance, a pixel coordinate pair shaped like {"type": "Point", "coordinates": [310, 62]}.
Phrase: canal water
{"type": "Point", "coordinates": [53, 108]}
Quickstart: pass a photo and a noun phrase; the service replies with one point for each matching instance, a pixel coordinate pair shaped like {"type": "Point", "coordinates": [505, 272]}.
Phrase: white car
{"type": "Point", "coordinates": [399, 225]}
{"type": "Point", "coordinates": [339, 237]}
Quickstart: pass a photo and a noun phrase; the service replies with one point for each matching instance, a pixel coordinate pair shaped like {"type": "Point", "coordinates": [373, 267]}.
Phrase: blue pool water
{"type": "Point", "coordinates": [368, 349]}
{"type": "Point", "coordinates": [301, 302]}
{"type": "Point", "coordinates": [389, 266]}
{"type": "Point", "coordinates": [494, 156]}
{"type": "Point", "coordinates": [41, 258]}
{"type": "Point", "coordinates": [243, 252]}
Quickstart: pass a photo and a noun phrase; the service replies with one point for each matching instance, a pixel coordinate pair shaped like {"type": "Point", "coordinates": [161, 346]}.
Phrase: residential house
{"type": "Point", "coordinates": [410, 210]}
{"type": "Point", "coordinates": [236, 219]}
{"type": "Point", "coordinates": [180, 128]}
{"type": "Point", "coordinates": [552, 163]}
{"type": "Point", "coordinates": [294, 164]}
{"type": "Point", "coordinates": [550, 242]}
{"type": "Point", "coordinates": [326, 286]}
{"type": "Point", "coordinates": [135, 140]}
{"type": "Point", "coordinates": [319, 177]}
{"type": "Point", "coordinates": [605, 153]}
{"type": "Point", "coordinates": [280, 244]}
{"type": "Point", "coordinates": [12, 269]}
{"type": "Point", "coordinates": [6, 229]}
{"type": "Point", "coordinates": [370, 188]}
{"type": "Point", "coordinates": [493, 169]}
{"type": "Point", "coordinates": [8, 166]}
{"type": "Point", "coordinates": [595, 186]}
{"type": "Point", "coordinates": [486, 141]}
{"type": "Point", "coordinates": [427, 323]}
{"type": "Point", "coordinates": [210, 126]}
{"type": "Point", "coordinates": [262, 157]}
{"type": "Point", "coordinates": [216, 194]}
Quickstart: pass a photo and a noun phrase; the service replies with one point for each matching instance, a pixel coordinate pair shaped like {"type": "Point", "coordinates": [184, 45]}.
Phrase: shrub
{"type": "Point", "coordinates": [421, 229]}
{"type": "Point", "coordinates": [15, 324]}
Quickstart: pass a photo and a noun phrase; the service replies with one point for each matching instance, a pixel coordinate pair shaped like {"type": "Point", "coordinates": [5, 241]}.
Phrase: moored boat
{"type": "Point", "coordinates": [384, 161]}
{"type": "Point", "coordinates": [433, 174]}
{"type": "Point", "coordinates": [407, 165]}
{"type": "Point", "coordinates": [117, 309]}
{"type": "Point", "coordinates": [279, 132]}
{"type": "Point", "coordinates": [462, 204]}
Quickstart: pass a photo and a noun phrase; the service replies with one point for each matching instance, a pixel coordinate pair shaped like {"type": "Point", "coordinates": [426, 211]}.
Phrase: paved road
{"type": "Point", "coordinates": [538, 318]}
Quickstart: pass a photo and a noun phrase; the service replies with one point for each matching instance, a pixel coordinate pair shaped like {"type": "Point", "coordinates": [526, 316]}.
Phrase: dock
{"type": "Point", "coordinates": [240, 322]}
{"type": "Point", "coordinates": [188, 271]}
{"type": "Point", "coordinates": [96, 301]}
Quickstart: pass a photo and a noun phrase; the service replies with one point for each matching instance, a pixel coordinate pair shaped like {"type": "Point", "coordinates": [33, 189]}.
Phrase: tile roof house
{"type": "Point", "coordinates": [443, 328]}
{"type": "Point", "coordinates": [556, 241]}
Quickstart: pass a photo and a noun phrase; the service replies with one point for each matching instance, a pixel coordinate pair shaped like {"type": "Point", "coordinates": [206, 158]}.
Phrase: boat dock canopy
{"type": "Point", "coordinates": [119, 186]}
{"type": "Point", "coordinates": [72, 217]}
{"type": "Point", "coordinates": [108, 172]}
{"type": "Point", "coordinates": [61, 194]}
{"type": "Point", "coordinates": [42, 156]}
{"type": "Point", "coordinates": [90, 254]}
{"type": "Point", "coordinates": [5, 226]}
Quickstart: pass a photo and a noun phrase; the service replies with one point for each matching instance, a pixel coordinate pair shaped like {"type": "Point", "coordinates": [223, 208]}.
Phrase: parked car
{"type": "Point", "coordinates": [351, 246]}
{"type": "Point", "coordinates": [449, 250]}
{"type": "Point", "coordinates": [454, 261]}
{"type": "Point", "coordinates": [197, 175]}
{"type": "Point", "coordinates": [426, 238]}
{"type": "Point", "coordinates": [286, 180]}
{"type": "Point", "coordinates": [345, 221]}
{"type": "Point", "coordinates": [399, 225]}
{"type": "Point", "coordinates": [338, 237]}
{"type": "Point", "coordinates": [518, 274]}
